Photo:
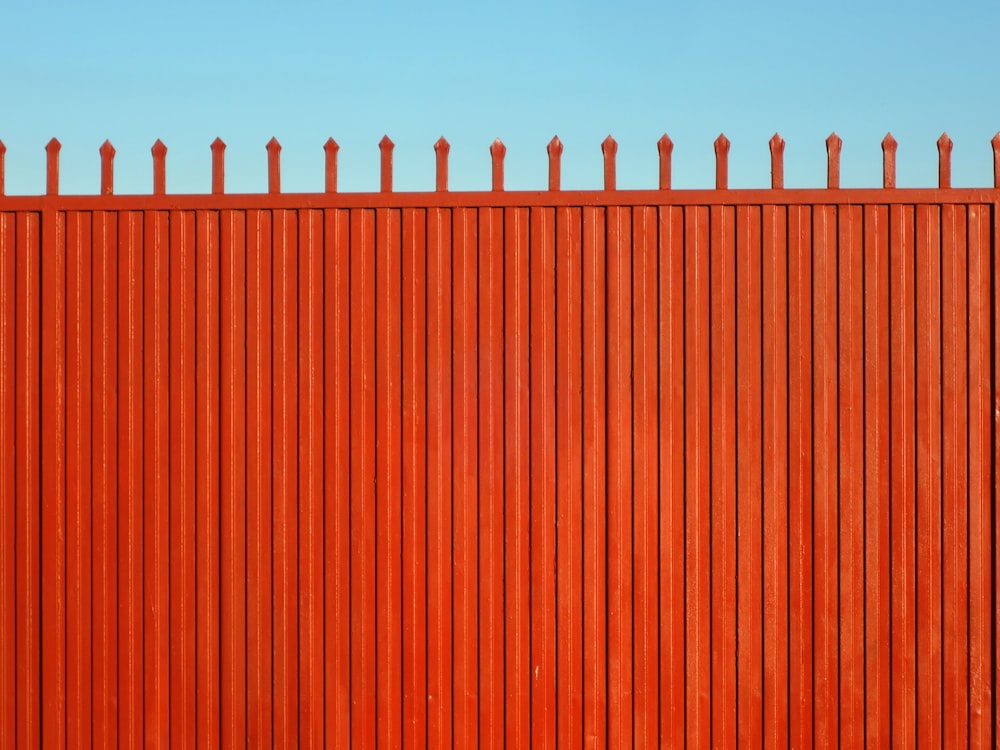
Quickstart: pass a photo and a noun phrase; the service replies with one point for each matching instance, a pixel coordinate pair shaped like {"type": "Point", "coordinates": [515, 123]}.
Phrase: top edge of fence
{"type": "Point", "coordinates": [498, 151]}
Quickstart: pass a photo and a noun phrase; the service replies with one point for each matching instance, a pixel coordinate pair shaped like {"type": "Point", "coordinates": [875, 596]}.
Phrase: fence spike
{"type": "Point", "coordinates": [777, 146]}
{"type": "Point", "coordinates": [995, 142]}
{"type": "Point", "coordinates": [555, 149]}
{"type": "Point", "coordinates": [889, 146]}
{"type": "Point", "coordinates": [159, 167]}
{"type": "Point", "coordinates": [498, 151]}
{"type": "Point", "coordinates": [3, 150]}
{"type": "Point", "coordinates": [944, 145]}
{"type": "Point", "coordinates": [385, 146]}
{"type": "Point", "coordinates": [609, 147]}
{"type": "Point", "coordinates": [107, 152]}
{"type": "Point", "coordinates": [833, 147]}
{"type": "Point", "coordinates": [218, 166]}
{"type": "Point", "coordinates": [722, 145]}
{"type": "Point", "coordinates": [331, 147]}
{"type": "Point", "coordinates": [441, 150]}
{"type": "Point", "coordinates": [273, 166]}
{"type": "Point", "coordinates": [665, 147]}
{"type": "Point", "coordinates": [52, 167]}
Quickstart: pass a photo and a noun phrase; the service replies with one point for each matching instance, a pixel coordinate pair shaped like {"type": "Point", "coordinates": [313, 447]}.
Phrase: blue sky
{"type": "Point", "coordinates": [472, 71]}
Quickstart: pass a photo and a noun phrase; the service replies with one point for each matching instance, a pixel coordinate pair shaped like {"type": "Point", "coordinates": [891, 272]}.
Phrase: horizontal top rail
{"type": "Point", "coordinates": [554, 149]}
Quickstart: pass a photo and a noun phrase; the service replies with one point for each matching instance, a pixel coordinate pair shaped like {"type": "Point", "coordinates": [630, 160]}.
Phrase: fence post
{"type": "Point", "coordinates": [995, 142]}
{"type": "Point", "coordinates": [107, 152]}
{"type": "Point", "coordinates": [441, 150]}
{"type": "Point", "coordinates": [159, 167]}
{"type": "Point", "coordinates": [609, 147]}
{"type": "Point", "coordinates": [889, 161]}
{"type": "Point", "coordinates": [555, 149]}
{"type": "Point", "coordinates": [944, 145]}
{"type": "Point", "coordinates": [833, 147]}
{"type": "Point", "coordinates": [218, 166]}
{"type": "Point", "coordinates": [498, 151]}
{"type": "Point", "coordinates": [385, 147]}
{"type": "Point", "coordinates": [777, 146]}
{"type": "Point", "coordinates": [722, 145]}
{"type": "Point", "coordinates": [665, 147]}
{"type": "Point", "coordinates": [52, 167]}
{"type": "Point", "coordinates": [3, 150]}
{"type": "Point", "coordinates": [331, 148]}
{"type": "Point", "coordinates": [273, 166]}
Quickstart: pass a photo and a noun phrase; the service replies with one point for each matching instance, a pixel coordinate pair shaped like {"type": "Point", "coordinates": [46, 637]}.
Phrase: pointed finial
{"type": "Point", "coordinates": [833, 146]}
{"type": "Point", "coordinates": [777, 146]}
{"type": "Point", "coordinates": [665, 146]}
{"type": "Point", "coordinates": [441, 150]}
{"type": "Point", "coordinates": [218, 166]}
{"type": "Point", "coordinates": [159, 167]}
{"type": "Point", "coordinates": [722, 145]}
{"type": "Point", "coordinates": [385, 146]}
{"type": "Point", "coordinates": [995, 142]}
{"type": "Point", "coordinates": [331, 148]}
{"type": "Point", "coordinates": [3, 150]}
{"type": "Point", "coordinates": [498, 152]}
{"type": "Point", "coordinates": [944, 145]}
{"type": "Point", "coordinates": [889, 146]}
{"type": "Point", "coordinates": [555, 149]}
{"type": "Point", "coordinates": [273, 166]}
{"type": "Point", "coordinates": [52, 167]}
{"type": "Point", "coordinates": [609, 147]}
{"type": "Point", "coordinates": [107, 152]}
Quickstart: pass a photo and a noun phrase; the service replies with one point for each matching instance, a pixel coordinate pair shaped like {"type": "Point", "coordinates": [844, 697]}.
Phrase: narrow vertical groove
{"type": "Point", "coordinates": [8, 466]}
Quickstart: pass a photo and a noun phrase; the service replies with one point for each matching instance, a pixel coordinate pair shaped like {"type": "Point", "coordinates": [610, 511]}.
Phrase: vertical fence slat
{"type": "Point", "coordinates": [414, 583]}
{"type": "Point", "coordinates": [206, 438]}
{"type": "Point", "coordinates": [954, 474]}
{"type": "Point", "coordinates": [672, 465]}
{"type": "Point", "coordinates": [362, 416]}
{"type": "Point", "coordinates": [388, 466]}
{"type": "Point", "coordinates": [902, 437]}
{"type": "Point", "coordinates": [233, 479]}
{"type": "Point", "coordinates": [928, 469]}
{"type": "Point", "coordinates": [78, 483]}
{"type": "Point", "coordinates": [749, 498]}
{"type": "Point", "coordinates": [620, 486]}
{"type": "Point", "coordinates": [645, 426]}
{"type": "Point", "coordinates": [982, 469]}
{"type": "Point", "coordinates": [8, 497]}
{"type": "Point", "coordinates": [542, 481]}
{"type": "Point", "coordinates": [800, 471]}
{"type": "Point", "coordinates": [850, 394]}
{"type": "Point", "coordinates": [337, 458]}
{"type": "Point", "coordinates": [697, 425]}
{"type": "Point", "coordinates": [491, 479]}
{"type": "Point", "coordinates": [517, 471]}
{"type": "Point", "coordinates": [439, 484]}
{"type": "Point", "coordinates": [723, 396]}
{"type": "Point", "coordinates": [104, 481]}
{"type": "Point", "coordinates": [285, 455]}
{"type": "Point", "coordinates": [130, 417]}
{"type": "Point", "coordinates": [465, 475]}
{"type": "Point", "coordinates": [53, 461]}
{"type": "Point", "coordinates": [776, 540]}
{"type": "Point", "coordinates": [183, 624]}
{"type": "Point", "coordinates": [594, 479]}
{"type": "Point", "coordinates": [156, 461]}
{"type": "Point", "coordinates": [311, 480]}
{"type": "Point", "coordinates": [569, 452]}
{"type": "Point", "coordinates": [825, 478]}
{"type": "Point", "coordinates": [878, 633]}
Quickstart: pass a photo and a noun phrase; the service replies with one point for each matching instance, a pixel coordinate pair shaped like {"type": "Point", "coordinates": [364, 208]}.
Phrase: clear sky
{"type": "Point", "coordinates": [521, 70]}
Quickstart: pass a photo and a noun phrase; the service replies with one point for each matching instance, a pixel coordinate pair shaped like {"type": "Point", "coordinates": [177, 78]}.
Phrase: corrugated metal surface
{"type": "Point", "coordinates": [595, 469]}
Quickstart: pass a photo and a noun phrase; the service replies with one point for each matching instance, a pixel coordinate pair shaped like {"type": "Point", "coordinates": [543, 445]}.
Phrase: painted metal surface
{"type": "Point", "coordinates": [548, 469]}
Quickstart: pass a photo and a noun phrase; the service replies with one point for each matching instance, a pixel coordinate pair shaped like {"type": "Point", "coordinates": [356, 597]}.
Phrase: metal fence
{"type": "Point", "coordinates": [555, 468]}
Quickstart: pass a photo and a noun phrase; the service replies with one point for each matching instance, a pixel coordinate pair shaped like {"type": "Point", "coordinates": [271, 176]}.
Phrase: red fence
{"type": "Point", "coordinates": [500, 469]}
